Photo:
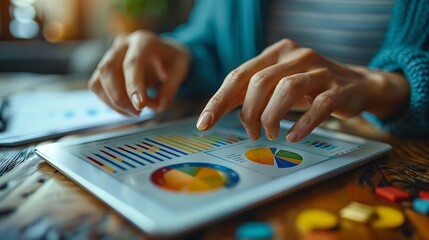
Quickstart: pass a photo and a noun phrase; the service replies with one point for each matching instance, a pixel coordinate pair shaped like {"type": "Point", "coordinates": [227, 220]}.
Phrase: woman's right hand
{"type": "Point", "coordinates": [134, 63]}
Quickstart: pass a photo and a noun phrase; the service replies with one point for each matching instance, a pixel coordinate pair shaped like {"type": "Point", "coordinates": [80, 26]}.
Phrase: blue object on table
{"type": "Point", "coordinates": [254, 231]}
{"type": "Point", "coordinates": [421, 205]}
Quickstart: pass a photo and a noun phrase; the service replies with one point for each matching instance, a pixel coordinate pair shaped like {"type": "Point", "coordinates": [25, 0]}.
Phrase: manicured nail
{"type": "Point", "coordinates": [252, 135]}
{"type": "Point", "coordinates": [204, 121]}
{"type": "Point", "coordinates": [137, 101]}
{"type": "Point", "coordinates": [269, 136]}
{"type": "Point", "coordinates": [292, 137]}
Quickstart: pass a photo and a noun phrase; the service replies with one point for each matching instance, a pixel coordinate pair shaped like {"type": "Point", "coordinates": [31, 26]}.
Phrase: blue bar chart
{"type": "Point", "coordinates": [136, 153]}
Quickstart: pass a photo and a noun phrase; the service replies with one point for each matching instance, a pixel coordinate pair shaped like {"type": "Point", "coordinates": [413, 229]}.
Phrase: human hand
{"type": "Point", "coordinates": [134, 63]}
{"type": "Point", "coordinates": [285, 76]}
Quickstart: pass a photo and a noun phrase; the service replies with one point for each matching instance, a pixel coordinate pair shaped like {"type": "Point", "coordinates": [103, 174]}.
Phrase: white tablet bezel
{"type": "Point", "coordinates": [156, 219]}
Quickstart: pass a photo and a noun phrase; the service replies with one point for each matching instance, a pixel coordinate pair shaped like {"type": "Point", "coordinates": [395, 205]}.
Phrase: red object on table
{"type": "Point", "coordinates": [424, 195]}
{"type": "Point", "coordinates": [392, 194]}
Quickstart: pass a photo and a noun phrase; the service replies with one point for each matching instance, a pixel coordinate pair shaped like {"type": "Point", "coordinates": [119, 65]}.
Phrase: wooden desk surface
{"type": "Point", "coordinates": [38, 202]}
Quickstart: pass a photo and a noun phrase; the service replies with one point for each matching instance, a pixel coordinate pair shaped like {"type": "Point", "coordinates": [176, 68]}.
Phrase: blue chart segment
{"type": "Point", "coordinates": [119, 156]}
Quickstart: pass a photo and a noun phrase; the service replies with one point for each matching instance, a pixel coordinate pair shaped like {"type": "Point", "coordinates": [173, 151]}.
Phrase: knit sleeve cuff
{"type": "Point", "coordinates": [414, 64]}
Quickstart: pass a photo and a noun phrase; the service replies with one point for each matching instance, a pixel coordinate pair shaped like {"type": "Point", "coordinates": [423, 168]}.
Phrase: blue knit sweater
{"type": "Point", "coordinates": [222, 34]}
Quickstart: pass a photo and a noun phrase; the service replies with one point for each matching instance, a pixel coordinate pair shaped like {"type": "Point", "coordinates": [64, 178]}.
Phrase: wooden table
{"type": "Point", "coordinates": [37, 201]}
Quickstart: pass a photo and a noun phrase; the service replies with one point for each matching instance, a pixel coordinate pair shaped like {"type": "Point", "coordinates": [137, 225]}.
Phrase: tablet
{"type": "Point", "coordinates": [38, 115]}
{"type": "Point", "coordinates": [172, 178]}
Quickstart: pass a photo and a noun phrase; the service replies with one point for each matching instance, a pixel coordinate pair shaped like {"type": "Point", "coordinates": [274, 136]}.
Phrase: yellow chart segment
{"type": "Point", "coordinates": [108, 169]}
{"type": "Point", "coordinates": [261, 155]}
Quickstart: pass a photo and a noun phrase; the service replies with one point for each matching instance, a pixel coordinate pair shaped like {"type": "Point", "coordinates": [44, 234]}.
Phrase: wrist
{"type": "Point", "coordinates": [390, 93]}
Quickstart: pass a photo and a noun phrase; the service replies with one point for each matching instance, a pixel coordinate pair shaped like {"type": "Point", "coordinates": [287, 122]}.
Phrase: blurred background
{"type": "Point", "coordinates": [70, 36]}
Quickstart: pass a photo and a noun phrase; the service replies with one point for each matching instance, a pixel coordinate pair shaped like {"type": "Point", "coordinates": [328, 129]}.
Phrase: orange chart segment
{"type": "Point", "coordinates": [267, 156]}
{"type": "Point", "coordinates": [194, 177]}
{"type": "Point", "coordinates": [176, 179]}
{"type": "Point", "coordinates": [261, 155]}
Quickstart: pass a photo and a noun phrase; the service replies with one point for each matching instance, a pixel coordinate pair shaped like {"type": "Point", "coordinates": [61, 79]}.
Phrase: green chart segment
{"type": "Point", "coordinates": [271, 156]}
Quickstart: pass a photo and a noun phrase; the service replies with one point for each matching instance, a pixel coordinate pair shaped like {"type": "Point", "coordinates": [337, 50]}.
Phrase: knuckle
{"type": "Point", "coordinates": [326, 102]}
{"type": "Point", "coordinates": [260, 79]}
{"type": "Point", "coordinates": [215, 101]}
{"type": "Point", "coordinates": [326, 73]}
{"type": "Point", "coordinates": [143, 36]}
{"type": "Point", "coordinates": [139, 32]}
{"type": "Point", "coordinates": [292, 83]}
{"type": "Point", "coordinates": [234, 76]}
{"type": "Point", "coordinates": [142, 32]}
{"type": "Point", "coordinates": [246, 117]}
{"type": "Point", "coordinates": [131, 62]}
{"type": "Point", "coordinates": [119, 39]}
{"type": "Point", "coordinates": [267, 120]}
{"type": "Point", "coordinates": [132, 86]}
{"type": "Point", "coordinates": [106, 67]}
{"type": "Point", "coordinates": [281, 45]}
{"type": "Point", "coordinates": [304, 121]}
{"type": "Point", "coordinates": [288, 43]}
{"type": "Point", "coordinates": [309, 53]}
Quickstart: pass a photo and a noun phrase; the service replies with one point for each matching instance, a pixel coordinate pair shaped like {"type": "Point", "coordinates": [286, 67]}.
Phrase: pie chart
{"type": "Point", "coordinates": [194, 177]}
{"type": "Point", "coordinates": [273, 156]}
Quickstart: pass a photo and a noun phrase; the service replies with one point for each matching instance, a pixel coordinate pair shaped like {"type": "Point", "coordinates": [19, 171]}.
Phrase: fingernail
{"type": "Point", "coordinates": [204, 121]}
{"type": "Point", "coordinates": [269, 135]}
{"type": "Point", "coordinates": [251, 134]}
{"type": "Point", "coordinates": [292, 137]}
{"type": "Point", "coordinates": [137, 101]}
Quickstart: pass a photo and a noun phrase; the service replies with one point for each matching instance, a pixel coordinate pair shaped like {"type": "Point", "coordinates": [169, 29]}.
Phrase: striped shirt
{"type": "Point", "coordinates": [347, 31]}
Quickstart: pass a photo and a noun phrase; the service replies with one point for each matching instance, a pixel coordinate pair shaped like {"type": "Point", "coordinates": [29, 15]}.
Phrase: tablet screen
{"type": "Point", "coordinates": [181, 167]}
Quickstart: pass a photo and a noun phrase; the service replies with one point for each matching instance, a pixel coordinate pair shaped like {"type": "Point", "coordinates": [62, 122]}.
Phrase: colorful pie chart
{"type": "Point", "coordinates": [273, 156]}
{"type": "Point", "coordinates": [194, 177]}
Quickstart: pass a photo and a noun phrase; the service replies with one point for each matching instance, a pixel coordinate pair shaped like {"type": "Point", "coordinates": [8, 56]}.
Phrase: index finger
{"type": "Point", "coordinates": [134, 66]}
{"type": "Point", "coordinates": [235, 84]}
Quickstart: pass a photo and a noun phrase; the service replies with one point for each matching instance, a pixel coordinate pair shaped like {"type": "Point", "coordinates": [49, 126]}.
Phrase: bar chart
{"type": "Point", "coordinates": [122, 156]}
{"type": "Point", "coordinates": [327, 147]}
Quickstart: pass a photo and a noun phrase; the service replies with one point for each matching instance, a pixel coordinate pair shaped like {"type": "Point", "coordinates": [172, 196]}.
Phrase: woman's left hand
{"type": "Point", "coordinates": [286, 76]}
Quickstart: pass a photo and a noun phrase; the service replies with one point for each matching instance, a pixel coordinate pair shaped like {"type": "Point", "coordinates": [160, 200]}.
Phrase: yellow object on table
{"type": "Point", "coordinates": [387, 217]}
{"type": "Point", "coordinates": [315, 219]}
